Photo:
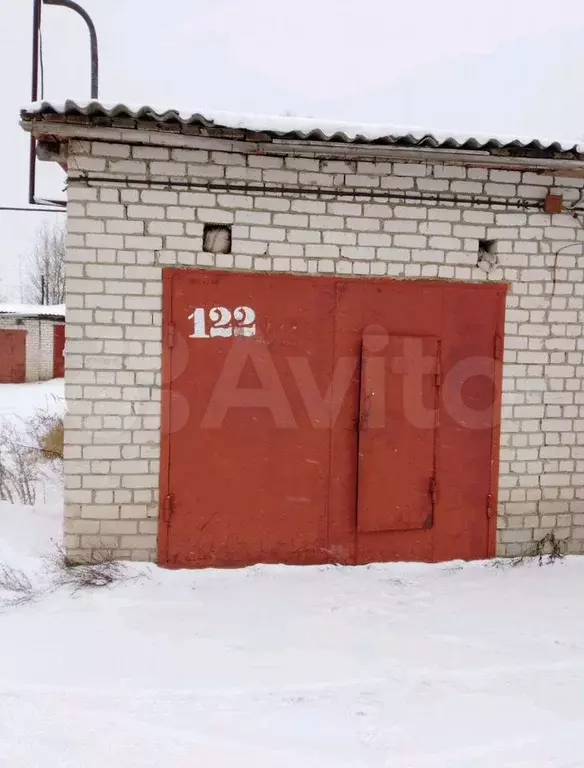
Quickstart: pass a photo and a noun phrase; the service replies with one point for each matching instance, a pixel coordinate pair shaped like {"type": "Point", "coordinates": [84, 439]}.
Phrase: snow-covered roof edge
{"type": "Point", "coordinates": [33, 310]}
{"type": "Point", "coordinates": [297, 128]}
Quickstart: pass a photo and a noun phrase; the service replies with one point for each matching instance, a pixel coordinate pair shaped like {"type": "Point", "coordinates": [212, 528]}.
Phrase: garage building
{"type": "Point", "coordinates": [32, 342]}
{"type": "Point", "coordinates": [297, 341]}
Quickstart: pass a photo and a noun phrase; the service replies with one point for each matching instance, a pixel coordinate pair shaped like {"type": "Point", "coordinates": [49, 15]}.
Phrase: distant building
{"type": "Point", "coordinates": [32, 342]}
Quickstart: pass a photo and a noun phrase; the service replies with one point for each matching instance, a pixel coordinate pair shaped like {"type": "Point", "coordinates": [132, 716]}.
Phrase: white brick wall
{"type": "Point", "coordinates": [39, 345]}
{"type": "Point", "coordinates": [354, 220]}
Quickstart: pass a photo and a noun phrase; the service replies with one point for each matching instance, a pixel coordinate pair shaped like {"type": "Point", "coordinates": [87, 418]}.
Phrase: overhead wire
{"type": "Point", "coordinates": [31, 210]}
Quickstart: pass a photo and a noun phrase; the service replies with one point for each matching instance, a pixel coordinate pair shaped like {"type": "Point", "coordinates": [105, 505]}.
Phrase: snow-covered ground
{"type": "Point", "coordinates": [19, 402]}
{"type": "Point", "coordinates": [393, 666]}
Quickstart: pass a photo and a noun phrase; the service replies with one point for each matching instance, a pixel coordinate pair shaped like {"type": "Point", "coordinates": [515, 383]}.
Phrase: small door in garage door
{"type": "Point", "coordinates": [12, 356]}
{"type": "Point", "coordinates": [314, 420]}
{"type": "Point", "coordinates": [397, 433]}
{"type": "Point", "coordinates": [59, 351]}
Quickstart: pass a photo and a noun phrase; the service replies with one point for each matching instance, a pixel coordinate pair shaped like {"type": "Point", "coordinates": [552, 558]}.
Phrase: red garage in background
{"type": "Point", "coordinates": [32, 343]}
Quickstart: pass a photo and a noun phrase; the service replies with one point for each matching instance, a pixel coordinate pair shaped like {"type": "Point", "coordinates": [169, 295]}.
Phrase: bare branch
{"type": "Point", "coordinates": [44, 272]}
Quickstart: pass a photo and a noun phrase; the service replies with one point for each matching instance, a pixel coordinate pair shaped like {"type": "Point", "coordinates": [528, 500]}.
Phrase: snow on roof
{"type": "Point", "coordinates": [33, 310]}
{"type": "Point", "coordinates": [298, 128]}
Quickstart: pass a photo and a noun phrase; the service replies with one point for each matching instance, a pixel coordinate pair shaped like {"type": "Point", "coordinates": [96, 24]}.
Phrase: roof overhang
{"type": "Point", "coordinates": [33, 311]}
{"type": "Point", "coordinates": [55, 124]}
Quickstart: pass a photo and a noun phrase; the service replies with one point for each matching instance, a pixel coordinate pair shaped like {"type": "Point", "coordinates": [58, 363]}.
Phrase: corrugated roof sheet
{"type": "Point", "coordinates": [33, 310]}
{"type": "Point", "coordinates": [298, 128]}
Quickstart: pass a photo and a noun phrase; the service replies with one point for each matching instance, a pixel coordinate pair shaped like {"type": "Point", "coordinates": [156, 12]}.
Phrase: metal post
{"type": "Point", "coordinates": [36, 29]}
{"type": "Point", "coordinates": [93, 40]}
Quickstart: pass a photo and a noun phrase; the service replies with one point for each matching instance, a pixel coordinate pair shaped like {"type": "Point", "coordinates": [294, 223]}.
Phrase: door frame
{"type": "Point", "coordinates": [165, 499]}
{"type": "Point", "coordinates": [496, 426]}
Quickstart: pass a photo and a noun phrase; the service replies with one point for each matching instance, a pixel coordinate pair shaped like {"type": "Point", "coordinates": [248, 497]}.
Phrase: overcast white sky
{"type": "Point", "coordinates": [502, 66]}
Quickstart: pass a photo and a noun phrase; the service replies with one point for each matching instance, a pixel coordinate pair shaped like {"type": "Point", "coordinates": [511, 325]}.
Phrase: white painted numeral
{"type": "Point", "coordinates": [220, 322]}
{"type": "Point", "coordinates": [245, 316]}
{"type": "Point", "coordinates": [200, 331]}
{"type": "Point", "coordinates": [221, 319]}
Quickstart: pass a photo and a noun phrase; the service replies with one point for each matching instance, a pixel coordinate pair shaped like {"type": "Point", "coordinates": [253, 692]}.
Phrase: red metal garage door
{"type": "Point", "coordinates": [235, 406]}
{"type": "Point", "coordinates": [312, 420]}
{"type": "Point", "coordinates": [12, 356]}
{"type": "Point", "coordinates": [58, 351]}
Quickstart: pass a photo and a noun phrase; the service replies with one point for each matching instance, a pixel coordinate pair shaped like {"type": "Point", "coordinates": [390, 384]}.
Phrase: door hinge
{"type": "Point", "coordinates": [498, 347]}
{"type": "Point", "coordinates": [167, 509]}
{"type": "Point", "coordinates": [170, 336]}
{"type": "Point", "coordinates": [490, 506]}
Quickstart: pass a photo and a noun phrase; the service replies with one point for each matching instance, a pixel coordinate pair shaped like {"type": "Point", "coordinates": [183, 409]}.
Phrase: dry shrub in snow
{"type": "Point", "coordinates": [545, 551]}
{"type": "Point", "coordinates": [104, 571]}
{"type": "Point", "coordinates": [48, 432]}
{"type": "Point", "coordinates": [19, 473]}
{"type": "Point", "coordinates": [93, 576]}
{"type": "Point", "coordinates": [15, 587]}
{"type": "Point", "coordinates": [549, 549]}
{"type": "Point", "coordinates": [29, 455]}
{"type": "Point", "coordinates": [14, 580]}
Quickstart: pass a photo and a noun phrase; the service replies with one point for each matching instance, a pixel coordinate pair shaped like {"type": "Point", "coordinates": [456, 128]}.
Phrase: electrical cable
{"type": "Point", "coordinates": [31, 210]}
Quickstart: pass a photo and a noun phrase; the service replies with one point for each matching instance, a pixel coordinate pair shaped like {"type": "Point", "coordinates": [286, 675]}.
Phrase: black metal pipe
{"type": "Point", "coordinates": [290, 189]}
{"type": "Point", "coordinates": [32, 171]}
{"type": "Point", "coordinates": [36, 29]}
{"type": "Point", "coordinates": [36, 32]}
{"type": "Point", "coordinates": [92, 37]}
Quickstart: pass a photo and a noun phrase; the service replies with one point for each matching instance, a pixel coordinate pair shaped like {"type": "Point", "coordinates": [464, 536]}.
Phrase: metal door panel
{"type": "Point", "coordinates": [397, 433]}
{"type": "Point", "coordinates": [59, 351]}
{"type": "Point", "coordinates": [12, 356]}
{"type": "Point", "coordinates": [248, 456]}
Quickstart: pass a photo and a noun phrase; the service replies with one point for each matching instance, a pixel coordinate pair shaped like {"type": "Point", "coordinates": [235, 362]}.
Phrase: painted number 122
{"type": "Point", "coordinates": [222, 322]}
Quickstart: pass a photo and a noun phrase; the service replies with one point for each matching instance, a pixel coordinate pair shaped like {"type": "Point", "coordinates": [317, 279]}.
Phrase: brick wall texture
{"type": "Point", "coordinates": [39, 345]}
{"type": "Point", "coordinates": [136, 208]}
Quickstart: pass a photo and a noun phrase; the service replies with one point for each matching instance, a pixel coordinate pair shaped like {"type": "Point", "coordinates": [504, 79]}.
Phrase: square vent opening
{"type": "Point", "coordinates": [217, 238]}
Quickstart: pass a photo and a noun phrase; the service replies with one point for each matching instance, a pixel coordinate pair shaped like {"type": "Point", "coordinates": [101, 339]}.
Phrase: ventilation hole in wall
{"type": "Point", "coordinates": [487, 254]}
{"type": "Point", "coordinates": [217, 238]}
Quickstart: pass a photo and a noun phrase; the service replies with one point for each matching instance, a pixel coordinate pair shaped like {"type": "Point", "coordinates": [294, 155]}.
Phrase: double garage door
{"type": "Point", "coordinates": [318, 420]}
